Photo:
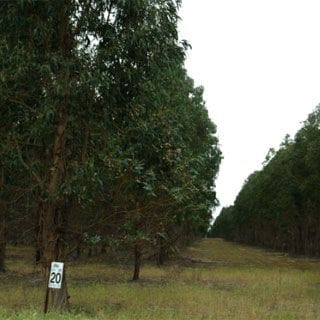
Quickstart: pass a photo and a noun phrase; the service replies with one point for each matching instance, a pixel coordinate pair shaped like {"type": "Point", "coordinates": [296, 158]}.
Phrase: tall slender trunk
{"type": "Point", "coordinates": [137, 262]}
{"type": "Point", "coordinates": [3, 209]}
{"type": "Point", "coordinates": [53, 213]}
{"type": "Point", "coordinates": [161, 251]}
{"type": "Point", "coordinates": [39, 233]}
{"type": "Point", "coordinates": [2, 245]}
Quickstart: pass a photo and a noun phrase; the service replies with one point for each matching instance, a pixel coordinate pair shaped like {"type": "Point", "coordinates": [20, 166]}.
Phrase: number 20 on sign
{"type": "Point", "coordinates": [56, 274]}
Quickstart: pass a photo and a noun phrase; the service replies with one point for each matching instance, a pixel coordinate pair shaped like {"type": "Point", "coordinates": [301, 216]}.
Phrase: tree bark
{"type": "Point", "coordinates": [53, 214]}
{"type": "Point", "coordinates": [2, 245]}
{"type": "Point", "coordinates": [39, 233]}
{"type": "Point", "coordinates": [161, 252]}
{"type": "Point", "coordinates": [137, 262]}
{"type": "Point", "coordinates": [60, 297]}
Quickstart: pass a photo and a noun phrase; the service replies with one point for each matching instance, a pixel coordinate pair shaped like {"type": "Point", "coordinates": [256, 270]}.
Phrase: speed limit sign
{"type": "Point", "coordinates": [56, 274]}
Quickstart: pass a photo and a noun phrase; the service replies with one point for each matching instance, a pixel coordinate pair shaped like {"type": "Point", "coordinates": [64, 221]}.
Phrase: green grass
{"type": "Point", "coordinates": [213, 279]}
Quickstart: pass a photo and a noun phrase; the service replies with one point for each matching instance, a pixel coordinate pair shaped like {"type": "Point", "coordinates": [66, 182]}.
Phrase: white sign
{"type": "Point", "coordinates": [56, 274]}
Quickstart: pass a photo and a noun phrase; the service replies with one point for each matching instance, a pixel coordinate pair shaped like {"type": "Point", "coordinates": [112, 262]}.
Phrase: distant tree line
{"type": "Point", "coordinates": [279, 206]}
{"type": "Point", "coordinates": [104, 139]}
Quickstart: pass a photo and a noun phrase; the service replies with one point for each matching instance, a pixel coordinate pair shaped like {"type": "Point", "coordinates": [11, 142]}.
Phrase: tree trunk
{"type": "Point", "coordinates": [60, 297]}
{"type": "Point", "coordinates": [54, 213]}
{"type": "Point", "coordinates": [79, 250]}
{"type": "Point", "coordinates": [137, 262]}
{"type": "Point", "coordinates": [2, 245]}
{"type": "Point", "coordinates": [53, 251]}
{"type": "Point", "coordinates": [39, 233]}
{"type": "Point", "coordinates": [161, 252]}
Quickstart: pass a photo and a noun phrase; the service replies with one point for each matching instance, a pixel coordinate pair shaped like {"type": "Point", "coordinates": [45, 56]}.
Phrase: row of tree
{"type": "Point", "coordinates": [279, 206]}
{"type": "Point", "coordinates": [103, 136]}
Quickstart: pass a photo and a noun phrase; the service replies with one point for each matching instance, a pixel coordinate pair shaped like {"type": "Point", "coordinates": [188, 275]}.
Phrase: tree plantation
{"type": "Point", "coordinates": [104, 139]}
{"type": "Point", "coordinates": [278, 206]}
{"type": "Point", "coordinates": [108, 165]}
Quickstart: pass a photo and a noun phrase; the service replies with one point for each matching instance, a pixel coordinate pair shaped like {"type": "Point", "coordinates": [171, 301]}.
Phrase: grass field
{"type": "Point", "coordinates": [212, 279]}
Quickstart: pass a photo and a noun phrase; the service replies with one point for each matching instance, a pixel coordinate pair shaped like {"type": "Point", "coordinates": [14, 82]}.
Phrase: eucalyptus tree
{"type": "Point", "coordinates": [77, 77]}
{"type": "Point", "coordinates": [149, 97]}
{"type": "Point", "coordinates": [174, 174]}
{"type": "Point", "coordinates": [50, 102]}
{"type": "Point", "coordinates": [278, 206]}
{"type": "Point", "coordinates": [223, 224]}
{"type": "Point", "coordinates": [305, 166]}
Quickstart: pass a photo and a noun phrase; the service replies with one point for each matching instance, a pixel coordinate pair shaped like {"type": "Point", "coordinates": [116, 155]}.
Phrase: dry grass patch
{"type": "Point", "coordinates": [213, 279]}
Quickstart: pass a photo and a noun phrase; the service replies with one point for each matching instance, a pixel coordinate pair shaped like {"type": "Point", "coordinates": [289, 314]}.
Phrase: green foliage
{"type": "Point", "coordinates": [278, 207]}
{"type": "Point", "coordinates": [100, 125]}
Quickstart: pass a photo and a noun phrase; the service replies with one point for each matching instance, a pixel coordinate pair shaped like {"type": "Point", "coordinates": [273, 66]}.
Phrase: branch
{"type": "Point", "coordinates": [26, 166]}
{"type": "Point", "coordinates": [109, 10]}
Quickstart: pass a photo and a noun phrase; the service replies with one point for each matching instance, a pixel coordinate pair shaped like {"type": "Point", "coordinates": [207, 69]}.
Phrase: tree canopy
{"type": "Point", "coordinates": [103, 135]}
{"type": "Point", "coordinates": [278, 206]}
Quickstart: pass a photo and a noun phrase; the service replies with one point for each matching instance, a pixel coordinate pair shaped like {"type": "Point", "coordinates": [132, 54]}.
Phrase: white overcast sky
{"type": "Point", "coordinates": [259, 62]}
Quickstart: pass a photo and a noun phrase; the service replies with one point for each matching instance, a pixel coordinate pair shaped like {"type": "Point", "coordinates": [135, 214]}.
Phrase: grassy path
{"type": "Point", "coordinates": [212, 279]}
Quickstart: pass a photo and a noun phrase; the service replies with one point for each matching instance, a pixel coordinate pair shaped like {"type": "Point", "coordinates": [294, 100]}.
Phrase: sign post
{"type": "Point", "coordinates": [54, 281]}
